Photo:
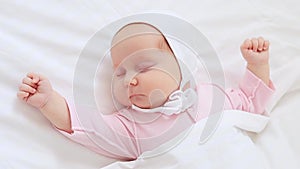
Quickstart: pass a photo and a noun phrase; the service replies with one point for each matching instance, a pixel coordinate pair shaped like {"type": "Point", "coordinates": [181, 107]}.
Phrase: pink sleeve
{"type": "Point", "coordinates": [252, 95]}
{"type": "Point", "coordinates": [100, 135]}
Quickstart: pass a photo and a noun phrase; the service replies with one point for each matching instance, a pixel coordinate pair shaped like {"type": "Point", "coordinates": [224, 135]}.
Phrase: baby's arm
{"type": "Point", "coordinates": [255, 89]}
{"type": "Point", "coordinates": [256, 53]}
{"type": "Point", "coordinates": [36, 90]}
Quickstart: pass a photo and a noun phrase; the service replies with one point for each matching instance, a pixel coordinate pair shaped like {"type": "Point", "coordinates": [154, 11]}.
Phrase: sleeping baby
{"type": "Point", "coordinates": [158, 97]}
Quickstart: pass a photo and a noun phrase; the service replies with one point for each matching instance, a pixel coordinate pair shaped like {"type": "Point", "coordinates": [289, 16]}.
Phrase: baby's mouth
{"type": "Point", "coordinates": [135, 95]}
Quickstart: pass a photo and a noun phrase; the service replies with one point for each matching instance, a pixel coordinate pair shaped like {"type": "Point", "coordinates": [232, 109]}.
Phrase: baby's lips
{"type": "Point", "coordinates": [135, 95]}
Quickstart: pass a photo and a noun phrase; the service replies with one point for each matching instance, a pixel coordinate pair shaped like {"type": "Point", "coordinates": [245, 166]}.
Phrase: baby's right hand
{"type": "Point", "coordinates": [35, 90]}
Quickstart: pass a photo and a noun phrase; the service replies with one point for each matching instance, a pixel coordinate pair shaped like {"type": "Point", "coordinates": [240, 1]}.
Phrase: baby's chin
{"type": "Point", "coordinates": [147, 105]}
{"type": "Point", "coordinates": [140, 101]}
{"type": "Point", "coordinates": [156, 99]}
{"type": "Point", "coordinates": [136, 102]}
{"type": "Point", "coordinates": [145, 102]}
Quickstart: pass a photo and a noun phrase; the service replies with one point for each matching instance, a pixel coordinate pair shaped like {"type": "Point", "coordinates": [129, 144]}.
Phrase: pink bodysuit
{"type": "Point", "coordinates": [126, 134]}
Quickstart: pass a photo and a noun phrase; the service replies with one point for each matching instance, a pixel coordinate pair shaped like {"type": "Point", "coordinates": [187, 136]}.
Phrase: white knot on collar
{"type": "Point", "coordinates": [178, 102]}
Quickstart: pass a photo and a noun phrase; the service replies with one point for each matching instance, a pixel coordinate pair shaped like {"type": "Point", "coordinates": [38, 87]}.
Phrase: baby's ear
{"type": "Point", "coordinates": [186, 86]}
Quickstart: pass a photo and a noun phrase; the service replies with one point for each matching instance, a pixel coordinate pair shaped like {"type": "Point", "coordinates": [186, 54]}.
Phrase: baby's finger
{"type": "Point", "coordinates": [26, 88]}
{"type": "Point", "coordinates": [266, 45]}
{"type": "Point", "coordinates": [34, 76]}
{"type": "Point", "coordinates": [29, 82]}
{"type": "Point", "coordinates": [255, 44]}
{"type": "Point", "coordinates": [22, 95]}
{"type": "Point", "coordinates": [260, 43]}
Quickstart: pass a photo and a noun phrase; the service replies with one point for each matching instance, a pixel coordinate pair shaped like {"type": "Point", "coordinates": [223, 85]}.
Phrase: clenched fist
{"type": "Point", "coordinates": [256, 51]}
{"type": "Point", "coordinates": [35, 89]}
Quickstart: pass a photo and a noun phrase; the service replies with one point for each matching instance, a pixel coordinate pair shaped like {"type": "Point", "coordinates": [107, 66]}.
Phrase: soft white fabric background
{"type": "Point", "coordinates": [47, 37]}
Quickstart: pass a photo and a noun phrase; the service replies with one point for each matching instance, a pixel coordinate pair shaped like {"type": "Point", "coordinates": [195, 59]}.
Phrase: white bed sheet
{"type": "Point", "coordinates": [47, 37]}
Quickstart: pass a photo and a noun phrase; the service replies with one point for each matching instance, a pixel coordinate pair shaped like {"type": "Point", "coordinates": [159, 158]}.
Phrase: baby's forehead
{"type": "Point", "coordinates": [134, 30]}
{"type": "Point", "coordinates": [135, 38]}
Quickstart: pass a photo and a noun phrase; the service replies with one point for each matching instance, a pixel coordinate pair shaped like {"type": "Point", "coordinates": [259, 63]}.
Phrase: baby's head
{"type": "Point", "coordinates": [146, 71]}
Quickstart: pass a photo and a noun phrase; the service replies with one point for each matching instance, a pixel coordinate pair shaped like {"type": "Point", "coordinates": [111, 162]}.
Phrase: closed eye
{"type": "Point", "coordinates": [120, 72]}
{"type": "Point", "coordinates": [145, 66]}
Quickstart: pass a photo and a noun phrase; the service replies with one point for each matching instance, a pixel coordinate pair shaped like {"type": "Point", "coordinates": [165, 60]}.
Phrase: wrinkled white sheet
{"type": "Point", "coordinates": [48, 36]}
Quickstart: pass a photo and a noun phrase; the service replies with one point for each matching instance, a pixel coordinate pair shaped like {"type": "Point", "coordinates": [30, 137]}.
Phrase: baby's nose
{"type": "Point", "coordinates": [130, 80]}
{"type": "Point", "coordinates": [133, 82]}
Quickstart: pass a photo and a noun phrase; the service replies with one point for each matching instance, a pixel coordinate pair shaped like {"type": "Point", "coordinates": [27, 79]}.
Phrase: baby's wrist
{"type": "Point", "coordinates": [258, 65]}
{"type": "Point", "coordinates": [48, 99]}
{"type": "Point", "coordinates": [262, 71]}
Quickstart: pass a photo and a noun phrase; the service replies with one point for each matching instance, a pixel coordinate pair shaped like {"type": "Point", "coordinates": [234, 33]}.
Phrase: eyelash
{"type": "Point", "coordinates": [121, 73]}
{"type": "Point", "coordinates": [141, 69]}
{"type": "Point", "coordinates": [145, 67]}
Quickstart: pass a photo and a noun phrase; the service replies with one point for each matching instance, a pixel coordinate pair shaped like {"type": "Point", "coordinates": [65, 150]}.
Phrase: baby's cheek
{"type": "Point", "coordinates": [157, 97]}
{"type": "Point", "coordinates": [120, 95]}
{"type": "Point", "coordinates": [160, 80]}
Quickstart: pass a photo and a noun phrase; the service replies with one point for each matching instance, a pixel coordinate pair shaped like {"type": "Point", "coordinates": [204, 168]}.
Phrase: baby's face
{"type": "Point", "coordinates": [145, 69]}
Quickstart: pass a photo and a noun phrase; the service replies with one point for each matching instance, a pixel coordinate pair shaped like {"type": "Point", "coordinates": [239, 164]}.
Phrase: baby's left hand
{"type": "Point", "coordinates": [256, 51]}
